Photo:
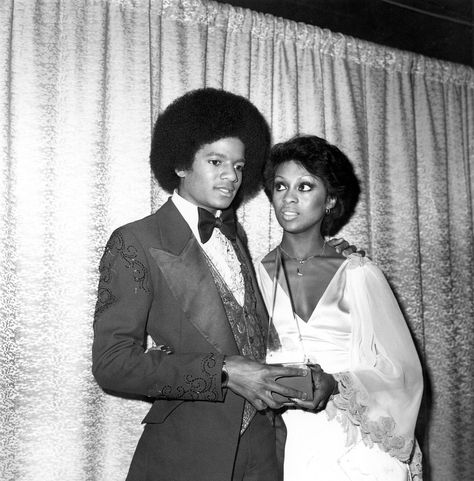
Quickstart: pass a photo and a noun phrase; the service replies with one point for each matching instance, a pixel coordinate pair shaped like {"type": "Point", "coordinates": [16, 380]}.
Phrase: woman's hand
{"type": "Point", "coordinates": [324, 385]}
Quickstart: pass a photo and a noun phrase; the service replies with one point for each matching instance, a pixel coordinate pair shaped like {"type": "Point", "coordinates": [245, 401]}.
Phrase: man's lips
{"type": "Point", "coordinates": [227, 191]}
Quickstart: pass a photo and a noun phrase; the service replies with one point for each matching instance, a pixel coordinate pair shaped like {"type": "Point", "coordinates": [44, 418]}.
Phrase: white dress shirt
{"type": "Point", "coordinates": [218, 248]}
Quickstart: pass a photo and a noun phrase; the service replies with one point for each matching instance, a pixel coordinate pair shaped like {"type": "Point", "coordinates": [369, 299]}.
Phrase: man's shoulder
{"type": "Point", "coordinates": [138, 228]}
{"type": "Point", "coordinates": [151, 222]}
{"type": "Point", "coordinates": [138, 223]}
{"type": "Point", "coordinates": [130, 237]}
{"type": "Point", "coordinates": [144, 232]}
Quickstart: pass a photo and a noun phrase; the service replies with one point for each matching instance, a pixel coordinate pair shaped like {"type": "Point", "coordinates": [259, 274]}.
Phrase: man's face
{"type": "Point", "coordinates": [215, 176]}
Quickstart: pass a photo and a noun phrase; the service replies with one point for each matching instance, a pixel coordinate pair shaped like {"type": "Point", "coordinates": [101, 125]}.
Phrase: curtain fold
{"type": "Point", "coordinates": [80, 85]}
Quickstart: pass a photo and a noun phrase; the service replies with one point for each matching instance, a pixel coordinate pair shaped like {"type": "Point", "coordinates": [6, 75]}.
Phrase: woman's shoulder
{"type": "Point", "coordinates": [364, 270]}
{"type": "Point", "coordinates": [361, 263]}
{"type": "Point", "coordinates": [266, 262]}
{"type": "Point", "coordinates": [267, 259]}
{"type": "Point", "coordinates": [355, 261]}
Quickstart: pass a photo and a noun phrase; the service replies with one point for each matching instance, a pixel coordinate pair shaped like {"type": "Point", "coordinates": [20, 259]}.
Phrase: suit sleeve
{"type": "Point", "coordinates": [120, 360]}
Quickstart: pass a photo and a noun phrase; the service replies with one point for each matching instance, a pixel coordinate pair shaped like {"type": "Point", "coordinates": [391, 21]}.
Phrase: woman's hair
{"type": "Point", "coordinates": [327, 162]}
{"type": "Point", "coordinates": [201, 117]}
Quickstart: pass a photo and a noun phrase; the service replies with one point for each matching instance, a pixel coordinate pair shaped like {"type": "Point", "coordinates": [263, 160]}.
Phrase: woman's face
{"type": "Point", "coordinates": [299, 198]}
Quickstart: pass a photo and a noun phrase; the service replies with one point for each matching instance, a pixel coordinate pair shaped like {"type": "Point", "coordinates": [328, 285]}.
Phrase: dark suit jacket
{"type": "Point", "coordinates": [154, 281]}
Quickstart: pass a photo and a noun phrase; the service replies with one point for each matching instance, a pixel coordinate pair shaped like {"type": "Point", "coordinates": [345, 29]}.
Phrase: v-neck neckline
{"type": "Point", "coordinates": [310, 318]}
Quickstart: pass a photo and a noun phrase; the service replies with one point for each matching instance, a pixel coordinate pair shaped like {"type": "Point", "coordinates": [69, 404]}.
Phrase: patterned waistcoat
{"type": "Point", "coordinates": [246, 328]}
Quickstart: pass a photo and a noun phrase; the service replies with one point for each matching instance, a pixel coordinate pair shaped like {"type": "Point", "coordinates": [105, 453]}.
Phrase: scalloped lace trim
{"type": "Point", "coordinates": [352, 403]}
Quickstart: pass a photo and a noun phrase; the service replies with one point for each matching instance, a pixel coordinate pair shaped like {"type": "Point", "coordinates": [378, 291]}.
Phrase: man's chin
{"type": "Point", "coordinates": [223, 204]}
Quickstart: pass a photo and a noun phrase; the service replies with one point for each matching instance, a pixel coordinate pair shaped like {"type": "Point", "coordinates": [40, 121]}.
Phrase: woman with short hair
{"type": "Point", "coordinates": [349, 325]}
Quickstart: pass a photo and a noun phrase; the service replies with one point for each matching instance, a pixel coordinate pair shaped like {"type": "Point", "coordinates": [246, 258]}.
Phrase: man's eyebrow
{"type": "Point", "coordinates": [223, 156]}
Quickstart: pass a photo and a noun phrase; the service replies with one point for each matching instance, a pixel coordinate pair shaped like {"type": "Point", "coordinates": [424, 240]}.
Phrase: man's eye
{"type": "Point", "coordinates": [239, 167]}
{"type": "Point", "coordinates": [215, 161]}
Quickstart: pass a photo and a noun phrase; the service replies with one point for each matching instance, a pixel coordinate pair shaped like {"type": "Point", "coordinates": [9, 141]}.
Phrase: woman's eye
{"type": "Point", "coordinates": [215, 161]}
{"type": "Point", "coordinates": [239, 167]}
{"type": "Point", "coordinates": [279, 186]}
{"type": "Point", "coordinates": [305, 187]}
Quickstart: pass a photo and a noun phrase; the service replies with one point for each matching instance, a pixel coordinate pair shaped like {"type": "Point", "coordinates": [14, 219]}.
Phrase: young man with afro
{"type": "Point", "coordinates": [191, 288]}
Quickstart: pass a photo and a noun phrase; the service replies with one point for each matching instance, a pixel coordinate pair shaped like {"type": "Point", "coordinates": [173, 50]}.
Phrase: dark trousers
{"type": "Point", "coordinates": [256, 458]}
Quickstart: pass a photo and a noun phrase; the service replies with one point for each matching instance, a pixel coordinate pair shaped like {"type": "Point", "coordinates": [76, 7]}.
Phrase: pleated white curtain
{"type": "Point", "coordinates": [81, 82]}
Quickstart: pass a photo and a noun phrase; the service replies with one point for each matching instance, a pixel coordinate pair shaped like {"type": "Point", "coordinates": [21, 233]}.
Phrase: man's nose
{"type": "Point", "coordinates": [230, 173]}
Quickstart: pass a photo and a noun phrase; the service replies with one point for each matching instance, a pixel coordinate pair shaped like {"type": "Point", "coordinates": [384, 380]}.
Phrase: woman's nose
{"type": "Point", "coordinates": [290, 196]}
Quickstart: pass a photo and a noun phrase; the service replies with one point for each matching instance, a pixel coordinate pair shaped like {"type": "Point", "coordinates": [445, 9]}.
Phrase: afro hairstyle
{"type": "Point", "coordinates": [201, 117]}
{"type": "Point", "coordinates": [328, 163]}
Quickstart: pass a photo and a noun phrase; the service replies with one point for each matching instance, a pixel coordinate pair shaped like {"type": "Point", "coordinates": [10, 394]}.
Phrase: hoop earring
{"type": "Point", "coordinates": [328, 210]}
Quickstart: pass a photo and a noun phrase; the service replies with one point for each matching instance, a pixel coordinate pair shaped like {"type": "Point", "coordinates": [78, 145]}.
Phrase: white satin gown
{"type": "Point", "coordinates": [357, 333]}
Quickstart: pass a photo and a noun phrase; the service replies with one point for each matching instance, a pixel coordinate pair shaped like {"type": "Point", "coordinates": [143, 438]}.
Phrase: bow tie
{"type": "Point", "coordinates": [207, 222]}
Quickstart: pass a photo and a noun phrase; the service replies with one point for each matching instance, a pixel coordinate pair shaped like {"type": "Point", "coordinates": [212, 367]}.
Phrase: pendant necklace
{"type": "Point", "coordinates": [302, 260]}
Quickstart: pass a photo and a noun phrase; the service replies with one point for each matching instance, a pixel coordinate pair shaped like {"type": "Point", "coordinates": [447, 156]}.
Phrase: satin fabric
{"type": "Point", "coordinates": [357, 333]}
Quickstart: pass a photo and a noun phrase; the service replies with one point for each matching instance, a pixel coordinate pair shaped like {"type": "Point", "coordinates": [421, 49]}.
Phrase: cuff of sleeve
{"type": "Point", "coordinates": [224, 375]}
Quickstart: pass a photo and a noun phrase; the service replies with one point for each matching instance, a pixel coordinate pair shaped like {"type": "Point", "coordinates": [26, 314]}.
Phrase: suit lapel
{"type": "Point", "coordinates": [182, 263]}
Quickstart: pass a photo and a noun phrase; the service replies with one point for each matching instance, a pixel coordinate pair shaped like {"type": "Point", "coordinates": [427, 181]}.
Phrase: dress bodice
{"type": "Point", "coordinates": [326, 336]}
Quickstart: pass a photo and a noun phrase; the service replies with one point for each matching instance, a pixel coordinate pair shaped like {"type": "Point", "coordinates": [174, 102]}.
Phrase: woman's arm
{"type": "Point", "coordinates": [382, 392]}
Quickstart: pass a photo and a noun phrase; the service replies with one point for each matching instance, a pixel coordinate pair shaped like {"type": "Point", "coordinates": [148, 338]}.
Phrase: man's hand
{"type": "Point", "coordinates": [323, 386]}
{"type": "Point", "coordinates": [255, 381]}
{"type": "Point", "coordinates": [342, 246]}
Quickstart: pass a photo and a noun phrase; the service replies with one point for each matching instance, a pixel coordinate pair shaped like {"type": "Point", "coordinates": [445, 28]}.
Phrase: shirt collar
{"type": "Point", "coordinates": [189, 211]}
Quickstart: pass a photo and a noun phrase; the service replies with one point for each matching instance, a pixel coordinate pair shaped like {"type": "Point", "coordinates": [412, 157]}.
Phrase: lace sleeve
{"type": "Point", "coordinates": [354, 401]}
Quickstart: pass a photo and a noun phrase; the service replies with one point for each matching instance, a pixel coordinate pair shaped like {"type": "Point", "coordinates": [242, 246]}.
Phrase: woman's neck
{"type": "Point", "coordinates": [300, 246]}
